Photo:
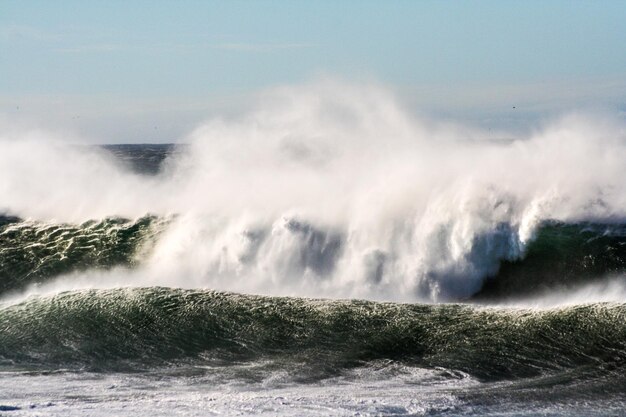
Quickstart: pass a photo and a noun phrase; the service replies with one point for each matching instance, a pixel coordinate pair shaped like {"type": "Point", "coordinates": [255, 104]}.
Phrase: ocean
{"type": "Point", "coordinates": [292, 274]}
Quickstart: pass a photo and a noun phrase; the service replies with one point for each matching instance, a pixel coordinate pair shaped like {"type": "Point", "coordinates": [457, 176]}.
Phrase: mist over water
{"type": "Point", "coordinates": [328, 190]}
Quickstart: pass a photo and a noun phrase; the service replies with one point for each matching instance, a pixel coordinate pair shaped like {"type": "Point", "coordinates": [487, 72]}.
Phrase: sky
{"type": "Point", "coordinates": [148, 71]}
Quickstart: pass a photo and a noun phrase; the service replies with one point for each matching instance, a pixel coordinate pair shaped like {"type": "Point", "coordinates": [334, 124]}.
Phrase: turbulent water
{"type": "Point", "coordinates": [326, 254]}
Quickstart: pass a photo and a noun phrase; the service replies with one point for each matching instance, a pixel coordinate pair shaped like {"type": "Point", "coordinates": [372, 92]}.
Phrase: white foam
{"type": "Point", "coordinates": [413, 392]}
{"type": "Point", "coordinates": [332, 190]}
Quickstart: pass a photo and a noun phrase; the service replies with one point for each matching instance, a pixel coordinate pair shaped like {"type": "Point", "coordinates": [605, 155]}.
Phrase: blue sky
{"type": "Point", "coordinates": [58, 58]}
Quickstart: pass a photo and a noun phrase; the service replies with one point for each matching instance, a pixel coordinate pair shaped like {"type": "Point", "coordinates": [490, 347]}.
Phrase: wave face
{"type": "Point", "coordinates": [329, 190]}
{"type": "Point", "coordinates": [158, 326]}
{"type": "Point", "coordinates": [561, 257]}
{"type": "Point", "coordinates": [32, 252]}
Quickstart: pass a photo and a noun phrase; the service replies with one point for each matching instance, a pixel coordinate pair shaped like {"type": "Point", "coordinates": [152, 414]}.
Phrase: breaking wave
{"type": "Point", "coordinates": [559, 258]}
{"type": "Point", "coordinates": [322, 191]}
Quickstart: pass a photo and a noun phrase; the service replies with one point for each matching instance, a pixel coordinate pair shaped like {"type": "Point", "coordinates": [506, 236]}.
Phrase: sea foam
{"type": "Point", "coordinates": [331, 189]}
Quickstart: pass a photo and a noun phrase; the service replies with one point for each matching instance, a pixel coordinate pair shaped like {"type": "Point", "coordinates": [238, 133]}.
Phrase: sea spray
{"type": "Point", "coordinates": [333, 190]}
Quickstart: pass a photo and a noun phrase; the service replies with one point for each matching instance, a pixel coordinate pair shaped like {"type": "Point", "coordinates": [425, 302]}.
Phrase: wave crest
{"type": "Point", "coordinates": [335, 190]}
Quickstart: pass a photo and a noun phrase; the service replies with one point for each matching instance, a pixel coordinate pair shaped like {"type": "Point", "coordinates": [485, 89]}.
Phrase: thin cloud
{"type": "Point", "coordinates": [261, 47]}
{"type": "Point", "coordinates": [231, 46]}
{"type": "Point", "coordinates": [91, 48]}
{"type": "Point", "coordinates": [28, 33]}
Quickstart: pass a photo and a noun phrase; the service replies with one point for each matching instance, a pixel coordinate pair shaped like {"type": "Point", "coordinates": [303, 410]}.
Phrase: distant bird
{"type": "Point", "coordinates": [513, 106]}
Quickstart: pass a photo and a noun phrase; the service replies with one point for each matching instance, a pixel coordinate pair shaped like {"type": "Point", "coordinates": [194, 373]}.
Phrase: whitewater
{"type": "Point", "coordinates": [327, 252]}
